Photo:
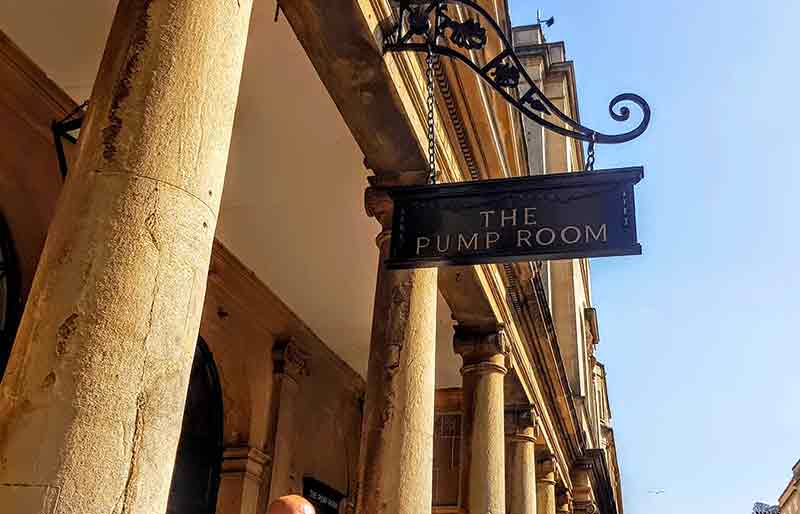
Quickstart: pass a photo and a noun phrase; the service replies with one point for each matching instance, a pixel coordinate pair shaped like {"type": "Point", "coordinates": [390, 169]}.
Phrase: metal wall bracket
{"type": "Point", "coordinates": [62, 131]}
{"type": "Point", "coordinates": [428, 25]}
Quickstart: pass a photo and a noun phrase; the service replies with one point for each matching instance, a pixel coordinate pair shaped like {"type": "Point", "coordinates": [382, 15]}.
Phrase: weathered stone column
{"type": "Point", "coordinates": [290, 364]}
{"type": "Point", "coordinates": [91, 405]}
{"type": "Point", "coordinates": [521, 460]}
{"type": "Point", "coordinates": [483, 489]}
{"type": "Point", "coordinates": [546, 486]}
{"type": "Point", "coordinates": [396, 459]}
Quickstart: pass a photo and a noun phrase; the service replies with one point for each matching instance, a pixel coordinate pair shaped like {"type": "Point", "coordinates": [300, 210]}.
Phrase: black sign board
{"type": "Point", "coordinates": [324, 497]}
{"type": "Point", "coordinates": [542, 217]}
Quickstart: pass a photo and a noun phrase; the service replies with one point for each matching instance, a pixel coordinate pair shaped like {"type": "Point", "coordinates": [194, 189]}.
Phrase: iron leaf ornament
{"type": "Point", "coordinates": [428, 26]}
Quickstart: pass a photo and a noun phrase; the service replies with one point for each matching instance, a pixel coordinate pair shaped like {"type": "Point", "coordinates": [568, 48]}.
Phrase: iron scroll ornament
{"type": "Point", "coordinates": [422, 24]}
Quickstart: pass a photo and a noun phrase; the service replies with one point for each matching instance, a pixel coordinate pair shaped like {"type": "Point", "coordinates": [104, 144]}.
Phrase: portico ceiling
{"type": "Point", "coordinates": [292, 209]}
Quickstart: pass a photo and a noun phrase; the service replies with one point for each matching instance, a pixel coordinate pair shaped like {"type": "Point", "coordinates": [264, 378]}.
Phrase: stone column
{"type": "Point", "coordinates": [290, 364]}
{"type": "Point", "coordinates": [483, 489]}
{"type": "Point", "coordinates": [521, 460]}
{"type": "Point", "coordinates": [241, 479]}
{"type": "Point", "coordinates": [396, 458]}
{"type": "Point", "coordinates": [91, 405]}
{"type": "Point", "coordinates": [546, 486]}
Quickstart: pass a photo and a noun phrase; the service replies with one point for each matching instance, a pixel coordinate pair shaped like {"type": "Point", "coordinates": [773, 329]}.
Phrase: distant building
{"type": "Point", "coordinates": [789, 502]}
{"type": "Point", "coordinates": [763, 508]}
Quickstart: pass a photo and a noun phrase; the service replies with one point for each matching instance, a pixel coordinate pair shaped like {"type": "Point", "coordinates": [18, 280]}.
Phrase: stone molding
{"type": "Point", "coordinates": [244, 460]}
{"type": "Point", "coordinates": [584, 507]}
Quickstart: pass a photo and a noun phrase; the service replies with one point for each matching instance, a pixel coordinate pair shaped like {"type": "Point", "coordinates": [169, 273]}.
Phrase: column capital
{"type": "Point", "coordinates": [290, 359]}
{"type": "Point", "coordinates": [377, 202]}
{"type": "Point", "coordinates": [521, 423]}
{"type": "Point", "coordinates": [564, 501]}
{"type": "Point", "coordinates": [379, 206]}
{"type": "Point", "coordinates": [481, 350]}
{"type": "Point", "coordinates": [584, 507]}
{"type": "Point", "coordinates": [547, 469]}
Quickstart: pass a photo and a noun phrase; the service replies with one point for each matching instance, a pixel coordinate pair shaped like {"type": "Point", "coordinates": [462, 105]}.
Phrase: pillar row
{"type": "Point", "coordinates": [93, 398]}
{"type": "Point", "coordinates": [396, 457]}
{"type": "Point", "coordinates": [482, 432]}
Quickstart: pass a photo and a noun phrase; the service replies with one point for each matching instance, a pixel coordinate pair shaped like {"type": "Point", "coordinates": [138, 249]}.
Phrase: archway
{"type": "Point", "coordinates": [195, 480]}
{"type": "Point", "coordinates": [9, 294]}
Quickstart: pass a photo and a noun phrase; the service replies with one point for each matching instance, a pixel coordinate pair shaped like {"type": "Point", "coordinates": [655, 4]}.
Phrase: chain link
{"type": "Point", "coordinates": [431, 117]}
{"type": "Point", "coordinates": [590, 156]}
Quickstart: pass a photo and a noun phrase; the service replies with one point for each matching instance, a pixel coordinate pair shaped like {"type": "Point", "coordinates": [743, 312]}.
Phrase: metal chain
{"type": "Point", "coordinates": [431, 117]}
{"type": "Point", "coordinates": [590, 156]}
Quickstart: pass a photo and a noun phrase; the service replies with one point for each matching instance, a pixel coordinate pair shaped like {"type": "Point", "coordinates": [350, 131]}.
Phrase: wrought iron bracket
{"type": "Point", "coordinates": [427, 25]}
{"type": "Point", "coordinates": [62, 131]}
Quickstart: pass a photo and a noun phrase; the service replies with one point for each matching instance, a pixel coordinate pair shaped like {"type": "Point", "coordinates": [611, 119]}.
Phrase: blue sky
{"type": "Point", "coordinates": [700, 334]}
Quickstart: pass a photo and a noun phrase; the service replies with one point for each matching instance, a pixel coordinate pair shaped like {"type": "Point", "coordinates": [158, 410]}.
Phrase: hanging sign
{"type": "Point", "coordinates": [543, 217]}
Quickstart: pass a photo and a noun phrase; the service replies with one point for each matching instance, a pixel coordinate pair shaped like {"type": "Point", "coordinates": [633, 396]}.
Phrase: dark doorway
{"type": "Point", "coordinates": [9, 294]}
{"type": "Point", "coordinates": [195, 480]}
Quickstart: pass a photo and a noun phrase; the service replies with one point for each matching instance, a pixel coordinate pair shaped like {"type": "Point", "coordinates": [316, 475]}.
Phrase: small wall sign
{"type": "Point", "coordinates": [543, 217]}
{"type": "Point", "coordinates": [325, 498]}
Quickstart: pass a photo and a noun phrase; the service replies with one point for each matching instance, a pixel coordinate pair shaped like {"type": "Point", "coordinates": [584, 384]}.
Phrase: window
{"type": "Point", "coordinates": [446, 459]}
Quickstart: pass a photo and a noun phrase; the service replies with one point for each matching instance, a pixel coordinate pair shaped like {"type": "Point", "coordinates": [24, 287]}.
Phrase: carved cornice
{"type": "Point", "coordinates": [455, 119]}
{"type": "Point", "coordinates": [290, 359]}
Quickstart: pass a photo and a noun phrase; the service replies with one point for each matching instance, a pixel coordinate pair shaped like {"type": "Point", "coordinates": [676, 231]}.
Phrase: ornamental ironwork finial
{"type": "Point", "coordinates": [427, 26]}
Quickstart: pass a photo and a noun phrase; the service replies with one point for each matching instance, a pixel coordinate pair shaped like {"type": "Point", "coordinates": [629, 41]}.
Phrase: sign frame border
{"type": "Point", "coordinates": [554, 181]}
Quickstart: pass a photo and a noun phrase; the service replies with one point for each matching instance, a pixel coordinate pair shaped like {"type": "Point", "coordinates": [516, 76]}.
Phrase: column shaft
{"type": "Point", "coordinates": [522, 472]}
{"type": "Point", "coordinates": [483, 488]}
{"type": "Point", "coordinates": [91, 405]}
{"type": "Point", "coordinates": [546, 488]}
{"type": "Point", "coordinates": [396, 459]}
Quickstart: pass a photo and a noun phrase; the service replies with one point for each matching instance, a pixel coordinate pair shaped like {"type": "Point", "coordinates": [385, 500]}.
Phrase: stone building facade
{"type": "Point", "coordinates": [789, 502]}
{"type": "Point", "coordinates": [168, 348]}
